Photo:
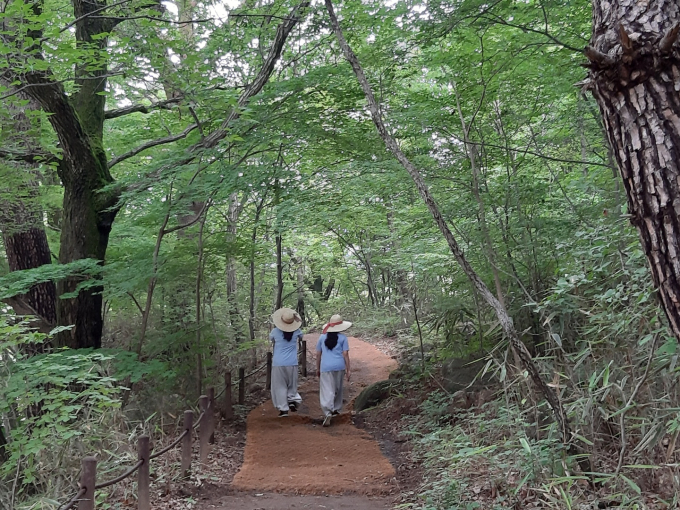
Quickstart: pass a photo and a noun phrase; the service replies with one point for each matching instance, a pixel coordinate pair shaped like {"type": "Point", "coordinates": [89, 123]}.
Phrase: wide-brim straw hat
{"type": "Point", "coordinates": [286, 319]}
{"type": "Point", "coordinates": [336, 324]}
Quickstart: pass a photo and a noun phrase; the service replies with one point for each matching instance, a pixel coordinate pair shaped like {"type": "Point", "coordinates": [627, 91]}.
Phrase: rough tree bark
{"type": "Point", "coordinates": [28, 249]}
{"type": "Point", "coordinates": [634, 74]}
{"type": "Point", "coordinates": [504, 319]}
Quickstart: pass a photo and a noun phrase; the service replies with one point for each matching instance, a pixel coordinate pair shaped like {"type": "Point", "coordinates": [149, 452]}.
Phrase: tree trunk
{"type": "Point", "coordinates": [635, 77]}
{"type": "Point", "coordinates": [199, 278]}
{"type": "Point", "coordinates": [21, 222]}
{"type": "Point", "coordinates": [400, 279]}
{"type": "Point", "coordinates": [28, 249]}
{"type": "Point", "coordinates": [300, 272]}
{"type": "Point", "coordinates": [329, 290]}
{"type": "Point", "coordinates": [85, 234]}
{"type": "Point", "coordinates": [253, 239]}
{"type": "Point", "coordinates": [89, 212]}
{"type": "Point", "coordinates": [472, 154]}
{"type": "Point", "coordinates": [279, 272]}
{"type": "Point", "coordinates": [232, 282]}
{"type": "Point", "coordinates": [503, 318]}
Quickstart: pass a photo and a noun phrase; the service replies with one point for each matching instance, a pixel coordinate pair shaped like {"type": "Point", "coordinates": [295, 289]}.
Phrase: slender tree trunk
{"type": "Point", "coordinates": [635, 76]}
{"type": "Point", "coordinates": [472, 154]}
{"type": "Point", "coordinates": [329, 290]}
{"type": "Point", "coordinates": [279, 272]}
{"type": "Point", "coordinates": [152, 281]}
{"type": "Point", "coordinates": [199, 278]}
{"type": "Point", "coordinates": [253, 240]}
{"type": "Point", "coordinates": [503, 318]}
{"type": "Point", "coordinates": [300, 270]}
{"type": "Point", "coordinates": [402, 290]}
{"type": "Point", "coordinates": [232, 282]}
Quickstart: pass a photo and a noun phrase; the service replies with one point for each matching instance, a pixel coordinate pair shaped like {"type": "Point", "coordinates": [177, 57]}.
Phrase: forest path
{"type": "Point", "coordinates": [296, 463]}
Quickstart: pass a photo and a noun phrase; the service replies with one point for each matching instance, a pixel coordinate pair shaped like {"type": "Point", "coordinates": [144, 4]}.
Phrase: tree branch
{"type": "Point", "coordinates": [274, 54]}
{"type": "Point", "coordinates": [598, 57]}
{"type": "Point", "coordinates": [150, 144]}
{"type": "Point", "coordinates": [22, 308]}
{"type": "Point", "coordinates": [669, 39]}
{"type": "Point", "coordinates": [545, 33]}
{"type": "Point", "coordinates": [141, 310]}
{"type": "Point", "coordinates": [254, 88]}
{"type": "Point", "coordinates": [142, 108]}
{"type": "Point", "coordinates": [28, 157]}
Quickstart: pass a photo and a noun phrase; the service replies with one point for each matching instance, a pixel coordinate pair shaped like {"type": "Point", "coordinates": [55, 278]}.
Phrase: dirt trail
{"type": "Point", "coordinates": [296, 455]}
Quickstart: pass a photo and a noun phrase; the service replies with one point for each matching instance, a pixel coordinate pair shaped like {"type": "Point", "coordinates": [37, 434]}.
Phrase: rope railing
{"type": "Point", "coordinates": [170, 446]}
{"type": "Point", "coordinates": [120, 478]}
{"type": "Point", "coordinates": [205, 424]}
{"type": "Point", "coordinates": [74, 499]}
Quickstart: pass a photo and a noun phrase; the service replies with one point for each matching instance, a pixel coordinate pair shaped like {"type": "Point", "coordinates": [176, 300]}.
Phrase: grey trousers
{"type": "Point", "coordinates": [330, 391]}
{"type": "Point", "coordinates": [284, 387]}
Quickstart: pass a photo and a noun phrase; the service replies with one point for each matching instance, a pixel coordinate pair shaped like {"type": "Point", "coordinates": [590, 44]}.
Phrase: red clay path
{"type": "Point", "coordinates": [296, 455]}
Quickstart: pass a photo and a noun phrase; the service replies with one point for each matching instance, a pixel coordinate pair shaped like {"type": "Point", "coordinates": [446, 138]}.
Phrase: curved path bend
{"type": "Point", "coordinates": [296, 455]}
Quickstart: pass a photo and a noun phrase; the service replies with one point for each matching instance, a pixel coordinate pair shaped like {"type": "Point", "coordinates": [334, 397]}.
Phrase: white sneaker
{"type": "Point", "coordinates": [327, 421]}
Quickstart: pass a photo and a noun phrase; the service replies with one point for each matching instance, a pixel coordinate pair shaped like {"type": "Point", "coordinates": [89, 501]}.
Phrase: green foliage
{"type": "Point", "coordinates": [545, 227]}
{"type": "Point", "coordinates": [58, 401]}
{"type": "Point", "coordinates": [19, 282]}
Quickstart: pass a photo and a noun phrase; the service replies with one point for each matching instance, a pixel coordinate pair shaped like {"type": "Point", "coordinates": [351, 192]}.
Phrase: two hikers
{"type": "Point", "coordinates": [332, 363]}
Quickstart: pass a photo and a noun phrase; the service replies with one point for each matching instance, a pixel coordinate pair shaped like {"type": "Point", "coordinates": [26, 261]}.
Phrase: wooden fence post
{"type": "Point", "coordinates": [211, 413]}
{"type": "Point", "coordinates": [303, 361]}
{"type": "Point", "coordinates": [186, 443]}
{"type": "Point", "coordinates": [269, 371]}
{"type": "Point", "coordinates": [143, 453]}
{"type": "Point", "coordinates": [88, 479]}
{"type": "Point", "coordinates": [241, 386]}
{"type": "Point", "coordinates": [204, 429]}
{"type": "Point", "coordinates": [228, 409]}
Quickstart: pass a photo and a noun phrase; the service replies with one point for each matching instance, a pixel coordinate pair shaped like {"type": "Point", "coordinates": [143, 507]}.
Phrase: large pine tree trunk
{"type": "Point", "coordinates": [635, 78]}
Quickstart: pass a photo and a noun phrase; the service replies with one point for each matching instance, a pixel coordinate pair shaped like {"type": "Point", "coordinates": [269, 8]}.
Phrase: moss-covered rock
{"type": "Point", "coordinates": [374, 394]}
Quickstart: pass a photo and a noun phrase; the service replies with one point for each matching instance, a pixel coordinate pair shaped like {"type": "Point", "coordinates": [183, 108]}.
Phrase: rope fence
{"type": "Point", "coordinates": [84, 499]}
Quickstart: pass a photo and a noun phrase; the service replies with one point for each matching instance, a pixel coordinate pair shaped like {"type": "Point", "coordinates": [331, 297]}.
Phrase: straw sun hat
{"type": "Point", "coordinates": [336, 324]}
{"type": "Point", "coordinates": [286, 319]}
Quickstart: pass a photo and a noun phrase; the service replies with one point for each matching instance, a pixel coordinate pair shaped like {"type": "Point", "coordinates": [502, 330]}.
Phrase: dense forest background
{"type": "Point", "coordinates": [173, 172]}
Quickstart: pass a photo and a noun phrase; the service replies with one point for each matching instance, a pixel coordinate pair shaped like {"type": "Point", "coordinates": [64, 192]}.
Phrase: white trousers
{"type": "Point", "coordinates": [284, 387]}
{"type": "Point", "coordinates": [330, 391]}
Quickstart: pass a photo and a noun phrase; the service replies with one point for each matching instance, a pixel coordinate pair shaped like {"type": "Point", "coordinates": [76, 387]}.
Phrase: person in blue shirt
{"type": "Point", "coordinates": [332, 366]}
{"type": "Point", "coordinates": [284, 338]}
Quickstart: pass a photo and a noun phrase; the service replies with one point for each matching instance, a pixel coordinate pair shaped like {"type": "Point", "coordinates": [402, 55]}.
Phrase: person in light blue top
{"type": "Point", "coordinates": [332, 366]}
{"type": "Point", "coordinates": [284, 338]}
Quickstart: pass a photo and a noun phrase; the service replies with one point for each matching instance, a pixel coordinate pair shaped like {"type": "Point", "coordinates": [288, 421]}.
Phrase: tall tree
{"type": "Point", "coordinates": [91, 197]}
{"type": "Point", "coordinates": [501, 313]}
{"type": "Point", "coordinates": [635, 77]}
